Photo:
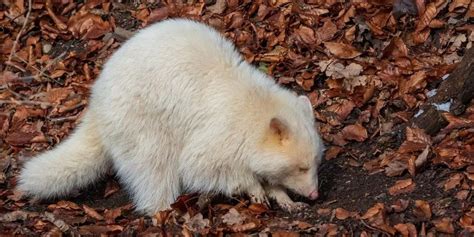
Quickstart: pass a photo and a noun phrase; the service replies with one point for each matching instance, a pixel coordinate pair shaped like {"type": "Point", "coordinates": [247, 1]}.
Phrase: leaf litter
{"type": "Point", "coordinates": [365, 65]}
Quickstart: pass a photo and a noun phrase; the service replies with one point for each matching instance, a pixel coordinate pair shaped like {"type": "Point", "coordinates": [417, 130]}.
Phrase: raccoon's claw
{"type": "Point", "coordinates": [293, 206]}
{"type": "Point", "coordinates": [260, 200]}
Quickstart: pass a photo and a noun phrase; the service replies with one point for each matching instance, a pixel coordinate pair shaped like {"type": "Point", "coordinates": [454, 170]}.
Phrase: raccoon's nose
{"type": "Point", "coordinates": [313, 195]}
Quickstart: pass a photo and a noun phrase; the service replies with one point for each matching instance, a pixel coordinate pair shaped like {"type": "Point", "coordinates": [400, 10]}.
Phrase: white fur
{"type": "Point", "coordinates": [176, 109]}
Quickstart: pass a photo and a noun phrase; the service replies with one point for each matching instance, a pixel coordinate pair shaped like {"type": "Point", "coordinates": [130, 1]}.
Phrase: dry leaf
{"type": "Point", "coordinates": [444, 225]}
{"type": "Point", "coordinates": [355, 132]}
{"type": "Point", "coordinates": [342, 50]}
{"type": "Point", "coordinates": [406, 230]}
{"type": "Point", "coordinates": [402, 186]}
{"type": "Point", "coordinates": [332, 152]}
{"type": "Point", "coordinates": [422, 210]}
{"type": "Point", "coordinates": [342, 214]}
{"type": "Point", "coordinates": [233, 217]}
{"type": "Point", "coordinates": [92, 213]}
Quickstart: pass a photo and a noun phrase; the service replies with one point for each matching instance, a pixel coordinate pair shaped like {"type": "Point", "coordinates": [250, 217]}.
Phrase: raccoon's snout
{"type": "Point", "coordinates": [313, 195]}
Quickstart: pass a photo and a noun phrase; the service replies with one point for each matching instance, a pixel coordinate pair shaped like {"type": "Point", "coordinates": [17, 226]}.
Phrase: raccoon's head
{"type": "Point", "coordinates": [291, 150]}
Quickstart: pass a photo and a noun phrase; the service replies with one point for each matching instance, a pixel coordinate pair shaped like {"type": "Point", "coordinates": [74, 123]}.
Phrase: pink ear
{"type": "Point", "coordinates": [279, 129]}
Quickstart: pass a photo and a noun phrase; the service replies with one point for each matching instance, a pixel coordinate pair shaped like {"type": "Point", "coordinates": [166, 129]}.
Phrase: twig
{"type": "Point", "coordinates": [25, 102]}
{"type": "Point", "coordinates": [21, 31]}
{"type": "Point", "coordinates": [63, 119]}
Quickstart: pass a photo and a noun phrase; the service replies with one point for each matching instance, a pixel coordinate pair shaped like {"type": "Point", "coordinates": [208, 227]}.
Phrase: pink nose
{"type": "Point", "coordinates": [313, 195]}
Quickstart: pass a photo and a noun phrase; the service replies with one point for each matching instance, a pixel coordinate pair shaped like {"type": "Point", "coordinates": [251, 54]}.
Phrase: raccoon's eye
{"type": "Point", "coordinates": [303, 169]}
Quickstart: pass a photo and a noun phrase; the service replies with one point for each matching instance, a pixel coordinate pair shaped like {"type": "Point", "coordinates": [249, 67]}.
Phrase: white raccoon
{"type": "Point", "coordinates": [177, 109]}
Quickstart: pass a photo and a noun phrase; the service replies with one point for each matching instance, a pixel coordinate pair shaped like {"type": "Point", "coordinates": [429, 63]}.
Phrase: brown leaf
{"type": "Point", "coordinates": [23, 138]}
{"type": "Point", "coordinates": [234, 20]}
{"type": "Point", "coordinates": [400, 205]}
{"type": "Point", "coordinates": [332, 152]}
{"type": "Point", "coordinates": [453, 181]}
{"type": "Point", "coordinates": [65, 205]}
{"type": "Point", "coordinates": [444, 225]}
{"type": "Point", "coordinates": [467, 220]}
{"type": "Point", "coordinates": [197, 223]}
{"type": "Point", "coordinates": [395, 168]}
{"type": "Point", "coordinates": [257, 208]}
{"type": "Point", "coordinates": [219, 7]}
{"type": "Point", "coordinates": [462, 195]}
{"type": "Point", "coordinates": [97, 229]}
{"type": "Point", "coordinates": [324, 211]}
{"type": "Point", "coordinates": [355, 132]}
{"type": "Point", "coordinates": [285, 234]}
{"type": "Point", "coordinates": [376, 209]}
{"type": "Point", "coordinates": [428, 15]}
{"type": "Point", "coordinates": [422, 157]}
{"type": "Point", "coordinates": [57, 95]}
{"type": "Point", "coordinates": [157, 15]}
{"type": "Point", "coordinates": [88, 25]}
{"type": "Point", "coordinates": [111, 215]}
{"type": "Point", "coordinates": [406, 230]}
{"type": "Point", "coordinates": [327, 31]}
{"type": "Point", "coordinates": [422, 210]}
{"type": "Point", "coordinates": [402, 186]}
{"type": "Point", "coordinates": [302, 225]}
{"type": "Point", "coordinates": [92, 213]}
{"type": "Point", "coordinates": [416, 81]}
{"type": "Point", "coordinates": [244, 227]}
{"type": "Point", "coordinates": [459, 4]}
{"type": "Point", "coordinates": [111, 188]}
{"type": "Point", "coordinates": [342, 109]}
{"type": "Point", "coordinates": [396, 48]}
{"type": "Point", "coordinates": [342, 50]}
{"type": "Point", "coordinates": [305, 35]}
{"type": "Point", "coordinates": [342, 214]}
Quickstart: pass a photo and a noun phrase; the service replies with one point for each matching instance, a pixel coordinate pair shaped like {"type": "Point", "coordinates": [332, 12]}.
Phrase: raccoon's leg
{"type": "Point", "coordinates": [257, 194]}
{"type": "Point", "coordinates": [283, 200]}
{"type": "Point", "coordinates": [152, 181]}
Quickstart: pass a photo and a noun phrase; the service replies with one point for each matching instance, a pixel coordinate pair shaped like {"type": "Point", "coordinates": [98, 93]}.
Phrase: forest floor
{"type": "Point", "coordinates": [367, 66]}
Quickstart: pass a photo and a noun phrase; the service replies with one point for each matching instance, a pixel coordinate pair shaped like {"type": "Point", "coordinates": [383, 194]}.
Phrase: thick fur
{"type": "Point", "coordinates": [176, 109]}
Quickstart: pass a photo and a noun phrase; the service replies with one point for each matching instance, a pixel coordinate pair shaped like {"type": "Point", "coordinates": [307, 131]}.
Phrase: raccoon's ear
{"type": "Point", "coordinates": [304, 100]}
{"type": "Point", "coordinates": [279, 129]}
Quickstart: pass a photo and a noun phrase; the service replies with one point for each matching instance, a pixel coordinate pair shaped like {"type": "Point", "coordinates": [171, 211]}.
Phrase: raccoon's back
{"type": "Point", "coordinates": [175, 74]}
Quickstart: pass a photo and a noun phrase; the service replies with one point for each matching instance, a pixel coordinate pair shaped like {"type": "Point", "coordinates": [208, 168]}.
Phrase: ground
{"type": "Point", "coordinates": [367, 67]}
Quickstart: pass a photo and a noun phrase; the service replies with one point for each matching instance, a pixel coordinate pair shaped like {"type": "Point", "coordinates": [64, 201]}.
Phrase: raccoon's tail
{"type": "Point", "coordinates": [74, 163]}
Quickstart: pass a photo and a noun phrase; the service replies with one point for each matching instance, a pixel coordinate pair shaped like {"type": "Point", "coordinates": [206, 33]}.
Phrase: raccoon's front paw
{"type": "Point", "coordinates": [260, 199]}
{"type": "Point", "coordinates": [283, 200]}
{"type": "Point", "coordinates": [292, 207]}
{"type": "Point", "coordinates": [257, 195]}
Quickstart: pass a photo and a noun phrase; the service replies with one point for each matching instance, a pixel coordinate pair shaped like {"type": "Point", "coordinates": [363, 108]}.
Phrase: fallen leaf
{"type": "Point", "coordinates": [332, 152]}
{"type": "Point", "coordinates": [111, 215]}
{"type": "Point", "coordinates": [92, 213]}
{"type": "Point", "coordinates": [453, 181]}
{"type": "Point", "coordinates": [444, 225]}
{"type": "Point", "coordinates": [244, 227]}
{"type": "Point", "coordinates": [111, 188]}
{"type": "Point", "coordinates": [402, 186]}
{"type": "Point", "coordinates": [233, 217]}
{"type": "Point", "coordinates": [98, 229]}
{"type": "Point", "coordinates": [65, 205]}
{"type": "Point", "coordinates": [400, 205]}
{"type": "Point", "coordinates": [406, 230]}
{"type": "Point", "coordinates": [342, 50]}
{"type": "Point", "coordinates": [422, 210]}
{"type": "Point", "coordinates": [342, 214]}
{"type": "Point", "coordinates": [355, 132]}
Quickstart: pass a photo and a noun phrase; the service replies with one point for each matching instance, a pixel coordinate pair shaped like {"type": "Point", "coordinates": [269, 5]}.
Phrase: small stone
{"type": "Point", "coordinates": [47, 48]}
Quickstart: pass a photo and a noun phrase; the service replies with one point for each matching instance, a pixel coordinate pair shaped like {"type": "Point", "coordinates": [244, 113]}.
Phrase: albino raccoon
{"type": "Point", "coordinates": [176, 109]}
